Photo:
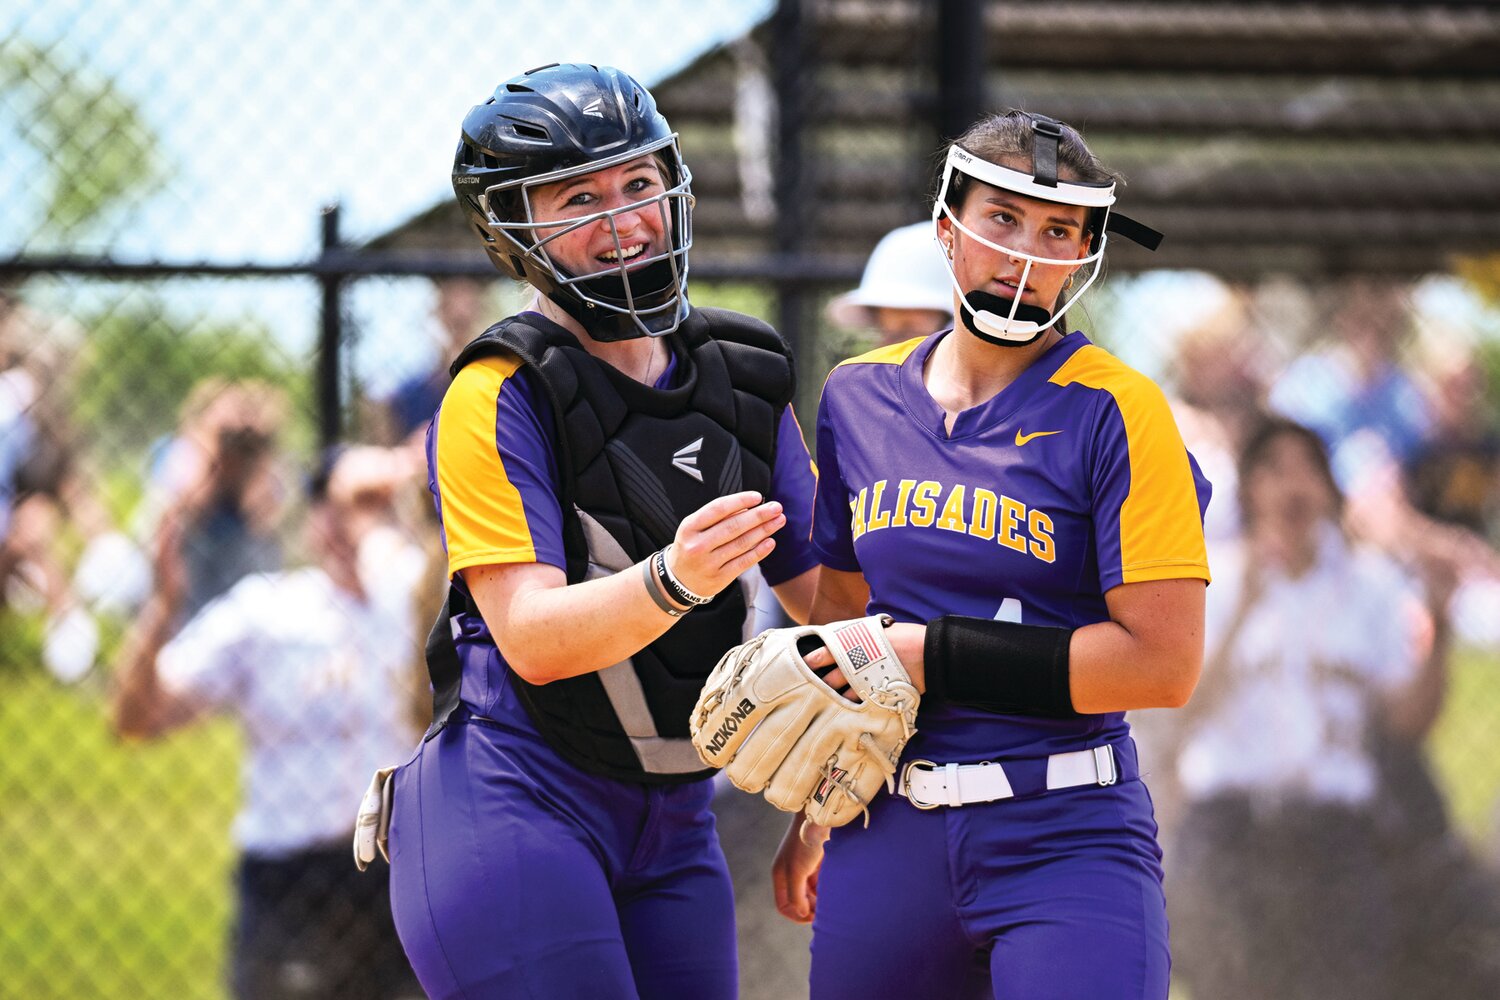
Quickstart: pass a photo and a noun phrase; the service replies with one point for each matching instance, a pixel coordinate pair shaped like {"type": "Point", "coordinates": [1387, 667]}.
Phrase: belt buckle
{"type": "Point", "coordinates": [906, 783]}
{"type": "Point", "coordinates": [1104, 765]}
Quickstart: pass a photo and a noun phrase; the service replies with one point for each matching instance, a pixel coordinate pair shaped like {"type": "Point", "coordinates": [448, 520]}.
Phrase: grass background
{"type": "Point", "coordinates": [115, 859]}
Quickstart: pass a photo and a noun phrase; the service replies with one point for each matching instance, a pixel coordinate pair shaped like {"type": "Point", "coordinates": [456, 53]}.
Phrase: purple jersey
{"type": "Point", "coordinates": [492, 466]}
{"type": "Point", "coordinates": [1069, 482]}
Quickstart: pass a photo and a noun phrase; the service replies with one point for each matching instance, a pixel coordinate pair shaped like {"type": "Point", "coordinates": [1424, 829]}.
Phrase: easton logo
{"type": "Point", "coordinates": [686, 459]}
{"type": "Point", "coordinates": [594, 108]}
{"type": "Point", "coordinates": [731, 725]}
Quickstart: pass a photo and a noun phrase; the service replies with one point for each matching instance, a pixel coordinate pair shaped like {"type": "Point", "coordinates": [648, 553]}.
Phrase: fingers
{"type": "Point", "coordinates": [718, 509]}
{"type": "Point", "coordinates": [796, 899]}
{"type": "Point", "coordinates": [724, 538]}
{"type": "Point", "coordinates": [794, 875]}
{"type": "Point", "coordinates": [835, 679]}
{"type": "Point", "coordinates": [819, 660]}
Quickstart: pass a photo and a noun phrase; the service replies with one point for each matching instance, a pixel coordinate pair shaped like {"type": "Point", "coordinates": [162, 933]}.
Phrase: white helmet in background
{"type": "Point", "coordinates": [906, 270]}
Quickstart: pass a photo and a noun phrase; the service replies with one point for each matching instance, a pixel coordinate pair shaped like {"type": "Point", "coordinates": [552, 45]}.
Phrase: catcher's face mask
{"type": "Point", "coordinates": [1010, 321]}
{"type": "Point", "coordinates": [640, 283]}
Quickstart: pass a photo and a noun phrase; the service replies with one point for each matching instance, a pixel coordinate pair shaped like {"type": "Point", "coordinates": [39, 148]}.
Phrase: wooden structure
{"type": "Point", "coordinates": [1308, 137]}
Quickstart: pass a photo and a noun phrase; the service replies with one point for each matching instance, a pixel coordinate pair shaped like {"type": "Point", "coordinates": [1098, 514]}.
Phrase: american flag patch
{"type": "Point", "coordinates": [827, 785]}
{"type": "Point", "coordinates": [859, 645]}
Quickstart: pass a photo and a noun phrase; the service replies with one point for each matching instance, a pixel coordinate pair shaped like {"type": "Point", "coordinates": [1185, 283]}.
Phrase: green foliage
{"type": "Point", "coordinates": [140, 364]}
{"type": "Point", "coordinates": [1458, 746]}
{"type": "Point", "coordinates": [117, 856]}
{"type": "Point", "coordinates": [22, 644]}
{"type": "Point", "coordinates": [97, 150]}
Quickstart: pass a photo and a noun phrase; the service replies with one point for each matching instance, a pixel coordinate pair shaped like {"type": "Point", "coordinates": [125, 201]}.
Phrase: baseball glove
{"type": "Point", "coordinates": [773, 725]}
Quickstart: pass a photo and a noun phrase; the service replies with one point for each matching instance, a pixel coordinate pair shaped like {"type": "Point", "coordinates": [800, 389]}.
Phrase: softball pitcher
{"type": "Point", "coordinates": [607, 464]}
{"type": "Point", "coordinates": [1022, 505]}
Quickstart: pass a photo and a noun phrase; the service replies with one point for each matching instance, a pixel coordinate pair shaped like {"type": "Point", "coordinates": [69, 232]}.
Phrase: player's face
{"type": "Point", "coordinates": [1287, 492]}
{"type": "Point", "coordinates": [633, 188]}
{"type": "Point", "coordinates": [896, 325]}
{"type": "Point", "coordinates": [1019, 223]}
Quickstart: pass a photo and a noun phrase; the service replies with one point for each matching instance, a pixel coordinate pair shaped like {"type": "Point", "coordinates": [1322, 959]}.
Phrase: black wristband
{"type": "Point", "coordinates": [655, 591]}
{"type": "Point", "coordinates": [1001, 667]}
{"type": "Point", "coordinates": [674, 586]}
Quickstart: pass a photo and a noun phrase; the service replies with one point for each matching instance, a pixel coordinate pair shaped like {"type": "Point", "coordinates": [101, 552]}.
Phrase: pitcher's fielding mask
{"type": "Point", "coordinates": [553, 124]}
{"type": "Point", "coordinates": [1012, 322]}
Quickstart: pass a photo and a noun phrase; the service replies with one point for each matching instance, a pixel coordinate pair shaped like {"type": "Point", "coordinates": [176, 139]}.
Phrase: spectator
{"type": "Point", "coordinates": [1218, 391]}
{"type": "Point", "coordinates": [220, 481]}
{"type": "Point", "coordinates": [1282, 890]}
{"type": "Point", "coordinates": [47, 508]}
{"type": "Point", "coordinates": [905, 292]}
{"type": "Point", "coordinates": [461, 312]}
{"type": "Point", "coordinates": [314, 663]}
{"type": "Point", "coordinates": [1356, 392]}
{"type": "Point", "coordinates": [1455, 477]}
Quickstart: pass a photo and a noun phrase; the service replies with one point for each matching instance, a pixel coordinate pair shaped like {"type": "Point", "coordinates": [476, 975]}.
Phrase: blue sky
{"type": "Point", "coordinates": [268, 109]}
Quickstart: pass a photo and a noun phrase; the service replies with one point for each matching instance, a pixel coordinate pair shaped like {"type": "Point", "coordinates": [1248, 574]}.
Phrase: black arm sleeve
{"type": "Point", "coordinates": [1002, 667]}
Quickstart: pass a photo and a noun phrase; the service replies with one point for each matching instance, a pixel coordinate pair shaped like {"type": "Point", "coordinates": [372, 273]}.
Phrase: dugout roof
{"type": "Point", "coordinates": [1311, 137]}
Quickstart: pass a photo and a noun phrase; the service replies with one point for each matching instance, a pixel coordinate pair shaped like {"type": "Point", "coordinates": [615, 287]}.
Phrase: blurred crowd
{"type": "Point", "coordinates": [289, 593]}
{"type": "Point", "coordinates": [1310, 849]}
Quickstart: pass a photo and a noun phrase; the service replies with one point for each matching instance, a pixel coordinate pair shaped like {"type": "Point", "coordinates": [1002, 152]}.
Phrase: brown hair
{"type": "Point", "coordinates": [1009, 135]}
{"type": "Point", "coordinates": [1266, 433]}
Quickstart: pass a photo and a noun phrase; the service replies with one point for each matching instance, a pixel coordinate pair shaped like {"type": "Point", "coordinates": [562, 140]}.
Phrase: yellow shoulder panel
{"type": "Point", "coordinates": [892, 354]}
{"type": "Point", "coordinates": [1161, 528]}
{"type": "Point", "coordinates": [484, 519]}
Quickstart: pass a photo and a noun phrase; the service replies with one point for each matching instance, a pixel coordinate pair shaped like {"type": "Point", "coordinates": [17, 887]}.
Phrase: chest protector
{"type": "Point", "coordinates": [633, 462]}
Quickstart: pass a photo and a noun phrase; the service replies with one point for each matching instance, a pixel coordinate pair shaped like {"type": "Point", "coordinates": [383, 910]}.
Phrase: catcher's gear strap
{"type": "Point", "coordinates": [1002, 667]}
{"type": "Point", "coordinates": [622, 497]}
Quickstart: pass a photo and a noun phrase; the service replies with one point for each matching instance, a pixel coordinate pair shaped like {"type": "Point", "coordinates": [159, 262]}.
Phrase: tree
{"type": "Point", "coordinates": [97, 151]}
{"type": "Point", "coordinates": [139, 364]}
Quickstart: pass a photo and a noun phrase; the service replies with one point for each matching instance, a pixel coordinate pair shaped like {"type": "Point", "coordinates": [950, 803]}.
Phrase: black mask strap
{"type": "Point", "coordinates": [1046, 134]}
{"type": "Point", "coordinates": [1135, 232]}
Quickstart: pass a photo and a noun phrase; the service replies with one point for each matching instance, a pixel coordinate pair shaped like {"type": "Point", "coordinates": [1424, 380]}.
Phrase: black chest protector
{"type": "Point", "coordinates": [634, 461]}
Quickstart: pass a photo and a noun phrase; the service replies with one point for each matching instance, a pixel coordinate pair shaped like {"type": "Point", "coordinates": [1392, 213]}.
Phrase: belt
{"type": "Point", "coordinates": [928, 785]}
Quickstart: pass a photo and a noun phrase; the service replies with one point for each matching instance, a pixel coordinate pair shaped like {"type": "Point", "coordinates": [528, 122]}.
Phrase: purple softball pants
{"type": "Point", "coordinates": [1048, 896]}
{"type": "Point", "coordinates": [515, 874]}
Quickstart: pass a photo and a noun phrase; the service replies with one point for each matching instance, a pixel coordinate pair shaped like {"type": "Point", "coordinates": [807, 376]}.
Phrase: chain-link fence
{"type": "Point", "coordinates": [186, 323]}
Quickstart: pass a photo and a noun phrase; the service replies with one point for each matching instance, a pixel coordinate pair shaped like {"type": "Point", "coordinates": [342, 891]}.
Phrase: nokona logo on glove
{"type": "Point", "coordinates": [795, 739]}
{"type": "Point", "coordinates": [730, 726]}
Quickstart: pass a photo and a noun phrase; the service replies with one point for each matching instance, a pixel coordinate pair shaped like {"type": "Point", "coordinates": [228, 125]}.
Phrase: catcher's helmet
{"type": "Point", "coordinates": [556, 122]}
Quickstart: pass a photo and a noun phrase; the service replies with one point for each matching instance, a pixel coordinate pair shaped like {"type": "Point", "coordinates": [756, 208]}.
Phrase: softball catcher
{"type": "Point", "coordinates": [608, 465]}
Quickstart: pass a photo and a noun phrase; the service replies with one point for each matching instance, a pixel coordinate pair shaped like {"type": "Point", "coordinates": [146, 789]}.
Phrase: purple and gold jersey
{"type": "Point", "coordinates": [1069, 482]}
{"type": "Point", "coordinates": [492, 467]}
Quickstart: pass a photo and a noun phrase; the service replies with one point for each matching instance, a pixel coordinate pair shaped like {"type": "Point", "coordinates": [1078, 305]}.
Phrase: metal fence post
{"type": "Point", "coordinates": [330, 336]}
{"type": "Point", "coordinates": [959, 59]}
{"type": "Point", "coordinates": [791, 72]}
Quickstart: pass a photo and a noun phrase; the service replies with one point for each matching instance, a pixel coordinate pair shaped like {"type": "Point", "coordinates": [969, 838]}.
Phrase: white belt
{"type": "Point", "coordinates": [928, 785]}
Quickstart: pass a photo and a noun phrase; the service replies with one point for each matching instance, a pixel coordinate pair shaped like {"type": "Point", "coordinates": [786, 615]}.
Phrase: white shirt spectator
{"type": "Point", "coordinates": [1308, 663]}
{"type": "Point", "coordinates": [320, 682]}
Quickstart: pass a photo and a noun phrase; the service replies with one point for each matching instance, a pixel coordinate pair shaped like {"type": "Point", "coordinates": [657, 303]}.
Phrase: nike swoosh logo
{"type": "Point", "coordinates": [1023, 438]}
